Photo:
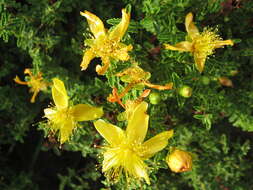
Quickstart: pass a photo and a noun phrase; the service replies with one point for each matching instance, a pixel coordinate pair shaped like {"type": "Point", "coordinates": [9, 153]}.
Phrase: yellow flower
{"type": "Point", "coordinates": [64, 118]}
{"type": "Point", "coordinates": [200, 45]}
{"type": "Point", "coordinates": [35, 83]}
{"type": "Point", "coordinates": [179, 161]}
{"type": "Point", "coordinates": [126, 150]}
{"type": "Point", "coordinates": [105, 44]}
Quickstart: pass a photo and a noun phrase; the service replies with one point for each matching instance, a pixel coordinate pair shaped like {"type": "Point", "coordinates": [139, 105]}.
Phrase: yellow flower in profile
{"type": "Point", "coordinates": [35, 83]}
{"type": "Point", "coordinates": [105, 44]}
{"type": "Point", "coordinates": [63, 118]}
{"type": "Point", "coordinates": [126, 151]}
{"type": "Point", "coordinates": [199, 44]}
{"type": "Point", "coordinates": [179, 161]}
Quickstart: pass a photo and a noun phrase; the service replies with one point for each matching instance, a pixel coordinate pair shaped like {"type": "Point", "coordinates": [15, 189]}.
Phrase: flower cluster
{"type": "Point", "coordinates": [126, 150]}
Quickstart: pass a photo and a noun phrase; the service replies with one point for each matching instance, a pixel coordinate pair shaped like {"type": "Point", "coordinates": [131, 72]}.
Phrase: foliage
{"type": "Point", "coordinates": [215, 124]}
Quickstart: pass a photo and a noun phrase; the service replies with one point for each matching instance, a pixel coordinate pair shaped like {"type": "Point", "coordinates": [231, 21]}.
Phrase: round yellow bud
{"type": "Point", "coordinates": [179, 161]}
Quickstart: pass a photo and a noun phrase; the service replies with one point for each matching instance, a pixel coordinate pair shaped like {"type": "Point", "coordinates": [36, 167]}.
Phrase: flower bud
{"type": "Point", "coordinates": [121, 116]}
{"type": "Point", "coordinates": [205, 80]}
{"type": "Point", "coordinates": [154, 98]}
{"type": "Point", "coordinates": [179, 161]}
{"type": "Point", "coordinates": [234, 72]}
{"type": "Point", "coordinates": [185, 91]}
{"type": "Point", "coordinates": [224, 81]}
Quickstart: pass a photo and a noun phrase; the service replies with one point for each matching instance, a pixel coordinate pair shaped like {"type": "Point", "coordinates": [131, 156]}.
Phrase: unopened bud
{"type": "Point", "coordinates": [205, 80]}
{"type": "Point", "coordinates": [121, 116]}
{"type": "Point", "coordinates": [234, 72]}
{"type": "Point", "coordinates": [224, 81]}
{"type": "Point", "coordinates": [154, 98]}
{"type": "Point", "coordinates": [185, 91]}
{"type": "Point", "coordinates": [179, 161]}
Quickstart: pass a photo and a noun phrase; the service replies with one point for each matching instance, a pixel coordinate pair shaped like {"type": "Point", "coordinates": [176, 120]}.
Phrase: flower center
{"type": "Point", "coordinates": [35, 84]}
{"type": "Point", "coordinates": [124, 158]}
{"type": "Point", "coordinates": [204, 43]}
{"type": "Point", "coordinates": [133, 148]}
{"type": "Point", "coordinates": [61, 116]}
{"type": "Point", "coordinates": [104, 47]}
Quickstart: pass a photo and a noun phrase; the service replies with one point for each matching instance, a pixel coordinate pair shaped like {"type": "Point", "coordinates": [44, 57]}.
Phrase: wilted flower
{"type": "Point", "coordinates": [136, 77]}
{"type": "Point", "coordinates": [35, 83]}
{"type": "Point", "coordinates": [64, 118]}
{"type": "Point", "coordinates": [126, 150]}
{"type": "Point", "coordinates": [200, 45]}
{"type": "Point", "coordinates": [179, 161]}
{"type": "Point", "coordinates": [105, 44]}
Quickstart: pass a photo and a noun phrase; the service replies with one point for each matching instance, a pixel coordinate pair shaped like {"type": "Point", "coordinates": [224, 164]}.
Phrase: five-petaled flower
{"type": "Point", "coordinates": [35, 83]}
{"type": "Point", "coordinates": [105, 44]}
{"type": "Point", "coordinates": [126, 150]}
{"type": "Point", "coordinates": [199, 44]}
{"type": "Point", "coordinates": [64, 118]}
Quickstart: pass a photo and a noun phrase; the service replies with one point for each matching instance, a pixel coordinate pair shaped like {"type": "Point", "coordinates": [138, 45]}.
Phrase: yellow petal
{"type": "Point", "coordinates": [95, 24]}
{"type": "Point", "coordinates": [111, 160]}
{"type": "Point", "coordinates": [159, 87]}
{"type": "Point", "coordinates": [49, 113]}
{"type": "Point", "coordinates": [117, 160]}
{"type": "Point", "coordinates": [191, 29]}
{"type": "Point", "coordinates": [111, 133]}
{"type": "Point", "coordinates": [200, 63]}
{"type": "Point", "coordinates": [138, 124]}
{"type": "Point", "coordinates": [102, 69]}
{"type": "Point", "coordinates": [181, 46]}
{"type": "Point", "coordinates": [122, 52]}
{"type": "Point", "coordinates": [84, 112]}
{"type": "Point", "coordinates": [17, 80]}
{"type": "Point", "coordinates": [87, 57]}
{"type": "Point", "coordinates": [35, 93]}
{"type": "Point", "coordinates": [118, 32]}
{"type": "Point", "coordinates": [59, 94]}
{"type": "Point", "coordinates": [66, 130]}
{"type": "Point", "coordinates": [219, 44]}
{"type": "Point", "coordinates": [28, 71]}
{"type": "Point", "coordinates": [156, 143]}
{"type": "Point", "coordinates": [137, 167]}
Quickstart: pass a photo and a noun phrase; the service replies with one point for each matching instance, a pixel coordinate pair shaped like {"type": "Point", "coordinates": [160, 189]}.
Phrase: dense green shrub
{"type": "Point", "coordinates": [215, 123]}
